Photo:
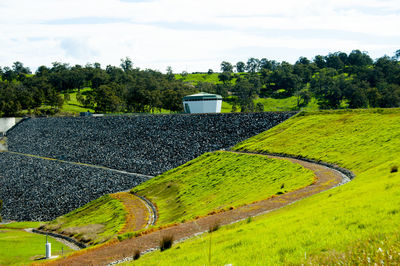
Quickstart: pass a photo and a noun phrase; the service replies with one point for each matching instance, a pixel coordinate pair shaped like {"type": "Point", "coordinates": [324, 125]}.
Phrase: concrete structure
{"type": "Point", "coordinates": [202, 103]}
{"type": "Point", "coordinates": [6, 123]}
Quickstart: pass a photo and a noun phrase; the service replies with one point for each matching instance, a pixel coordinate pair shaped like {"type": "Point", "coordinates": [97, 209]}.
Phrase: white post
{"type": "Point", "coordinates": [48, 249]}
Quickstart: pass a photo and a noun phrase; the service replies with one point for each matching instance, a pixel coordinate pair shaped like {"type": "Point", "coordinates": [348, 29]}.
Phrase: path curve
{"type": "Point", "coordinates": [326, 178]}
{"type": "Point", "coordinates": [139, 214]}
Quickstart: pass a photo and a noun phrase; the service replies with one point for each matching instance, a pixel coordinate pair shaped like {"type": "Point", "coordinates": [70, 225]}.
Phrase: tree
{"type": "Point", "coordinates": [225, 77]}
{"type": "Point", "coordinates": [107, 100]}
{"type": "Point", "coordinates": [303, 97]}
{"type": "Point", "coordinates": [226, 67]}
{"type": "Point", "coordinates": [325, 88]}
{"type": "Point", "coordinates": [259, 107]}
{"type": "Point", "coordinates": [126, 64]}
{"type": "Point", "coordinates": [246, 93]}
{"type": "Point", "coordinates": [210, 71]}
{"type": "Point", "coordinates": [170, 74]}
{"type": "Point", "coordinates": [358, 58]}
{"type": "Point", "coordinates": [319, 60]}
{"type": "Point", "coordinates": [19, 69]}
{"type": "Point", "coordinates": [240, 67]}
{"type": "Point", "coordinates": [253, 65]}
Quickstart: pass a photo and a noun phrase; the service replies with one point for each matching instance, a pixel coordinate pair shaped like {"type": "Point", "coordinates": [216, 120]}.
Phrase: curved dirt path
{"type": "Point", "coordinates": [326, 178]}
{"type": "Point", "coordinates": [140, 215]}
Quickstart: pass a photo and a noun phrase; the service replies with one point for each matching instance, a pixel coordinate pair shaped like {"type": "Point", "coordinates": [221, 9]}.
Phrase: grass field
{"type": "Point", "coordinates": [220, 180]}
{"type": "Point", "coordinates": [273, 105]}
{"type": "Point", "coordinates": [18, 247]}
{"type": "Point", "coordinates": [21, 225]}
{"type": "Point", "coordinates": [357, 223]}
{"type": "Point", "coordinates": [73, 106]}
{"type": "Point", "coordinates": [196, 78]}
{"type": "Point", "coordinates": [93, 223]}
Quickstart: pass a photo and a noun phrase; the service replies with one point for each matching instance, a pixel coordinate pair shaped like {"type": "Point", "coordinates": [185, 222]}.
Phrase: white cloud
{"type": "Point", "coordinates": [191, 35]}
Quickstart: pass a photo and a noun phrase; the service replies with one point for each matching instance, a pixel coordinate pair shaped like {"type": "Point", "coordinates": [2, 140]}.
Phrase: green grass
{"type": "Point", "coordinates": [73, 106]}
{"type": "Point", "coordinates": [94, 223]}
{"type": "Point", "coordinates": [273, 105]}
{"type": "Point", "coordinates": [195, 78]}
{"type": "Point", "coordinates": [21, 225]}
{"type": "Point", "coordinates": [220, 180]}
{"type": "Point", "coordinates": [350, 222]}
{"type": "Point", "coordinates": [18, 247]}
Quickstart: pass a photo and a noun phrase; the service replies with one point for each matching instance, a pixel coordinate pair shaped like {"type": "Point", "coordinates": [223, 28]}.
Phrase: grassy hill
{"type": "Point", "coordinates": [93, 223]}
{"type": "Point", "coordinates": [220, 180]}
{"type": "Point", "coordinates": [356, 223]}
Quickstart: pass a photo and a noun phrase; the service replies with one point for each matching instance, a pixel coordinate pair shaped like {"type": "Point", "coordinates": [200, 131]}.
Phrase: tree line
{"type": "Point", "coordinates": [336, 80]}
{"type": "Point", "coordinates": [113, 89]}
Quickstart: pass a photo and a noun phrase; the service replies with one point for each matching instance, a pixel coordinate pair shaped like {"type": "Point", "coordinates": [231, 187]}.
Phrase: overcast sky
{"type": "Point", "coordinates": [192, 35]}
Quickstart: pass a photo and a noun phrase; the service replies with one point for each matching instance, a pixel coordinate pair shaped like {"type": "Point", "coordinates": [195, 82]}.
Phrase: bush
{"type": "Point", "coordinates": [136, 254]}
{"type": "Point", "coordinates": [394, 169]}
{"type": "Point", "coordinates": [166, 242]}
{"type": "Point", "coordinates": [214, 227]}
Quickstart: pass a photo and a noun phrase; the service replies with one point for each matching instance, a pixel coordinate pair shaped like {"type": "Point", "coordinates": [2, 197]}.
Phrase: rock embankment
{"type": "Point", "coordinates": [147, 144]}
{"type": "Point", "coordinates": [34, 189]}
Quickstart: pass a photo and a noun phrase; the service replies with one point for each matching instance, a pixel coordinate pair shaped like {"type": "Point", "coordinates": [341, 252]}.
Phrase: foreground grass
{"type": "Point", "coordinates": [356, 223]}
{"type": "Point", "coordinates": [94, 223]}
{"type": "Point", "coordinates": [18, 247]}
{"type": "Point", "coordinates": [218, 181]}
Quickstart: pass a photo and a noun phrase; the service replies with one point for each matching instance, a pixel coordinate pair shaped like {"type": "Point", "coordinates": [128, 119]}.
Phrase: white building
{"type": "Point", "coordinates": [202, 103]}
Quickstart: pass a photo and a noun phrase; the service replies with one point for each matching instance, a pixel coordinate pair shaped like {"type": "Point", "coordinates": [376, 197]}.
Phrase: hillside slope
{"type": "Point", "coordinates": [354, 223]}
{"type": "Point", "coordinates": [219, 181]}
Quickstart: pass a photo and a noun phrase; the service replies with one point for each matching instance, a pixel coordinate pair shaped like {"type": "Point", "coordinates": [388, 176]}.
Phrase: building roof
{"type": "Point", "coordinates": [202, 96]}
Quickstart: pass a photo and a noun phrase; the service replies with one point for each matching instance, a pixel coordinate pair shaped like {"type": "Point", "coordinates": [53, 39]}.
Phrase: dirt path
{"type": "Point", "coordinates": [326, 178]}
{"type": "Point", "coordinates": [139, 214]}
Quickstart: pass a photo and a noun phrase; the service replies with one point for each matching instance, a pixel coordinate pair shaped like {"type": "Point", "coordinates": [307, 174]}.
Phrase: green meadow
{"type": "Point", "coordinates": [18, 247]}
{"type": "Point", "coordinates": [73, 106]}
{"type": "Point", "coordinates": [93, 223]}
{"type": "Point", "coordinates": [356, 223]}
{"type": "Point", "coordinates": [218, 181]}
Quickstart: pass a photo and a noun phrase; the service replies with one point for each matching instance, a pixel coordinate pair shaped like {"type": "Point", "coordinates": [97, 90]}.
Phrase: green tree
{"type": "Point", "coordinates": [240, 67]}
{"type": "Point", "coordinates": [107, 100]}
{"type": "Point", "coordinates": [226, 67]}
{"type": "Point", "coordinates": [259, 107]}
{"type": "Point", "coordinates": [253, 65]}
{"type": "Point", "coordinates": [325, 88]}
{"type": "Point", "coordinates": [126, 64]}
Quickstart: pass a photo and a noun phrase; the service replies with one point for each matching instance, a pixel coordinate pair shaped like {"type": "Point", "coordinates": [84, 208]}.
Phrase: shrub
{"type": "Point", "coordinates": [166, 242]}
{"type": "Point", "coordinates": [394, 169]}
{"type": "Point", "coordinates": [214, 227]}
{"type": "Point", "coordinates": [136, 254]}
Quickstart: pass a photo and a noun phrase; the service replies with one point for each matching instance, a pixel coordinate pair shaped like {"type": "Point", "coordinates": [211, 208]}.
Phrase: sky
{"type": "Point", "coordinates": [191, 35]}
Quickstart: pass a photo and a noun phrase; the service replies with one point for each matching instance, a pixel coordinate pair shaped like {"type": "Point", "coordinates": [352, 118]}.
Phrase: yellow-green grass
{"type": "Point", "coordinates": [273, 105]}
{"type": "Point", "coordinates": [218, 181]}
{"type": "Point", "coordinates": [196, 78]}
{"type": "Point", "coordinates": [21, 225]}
{"type": "Point", "coordinates": [18, 247]}
{"type": "Point", "coordinates": [94, 223]}
{"type": "Point", "coordinates": [73, 106]}
{"type": "Point", "coordinates": [348, 223]}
